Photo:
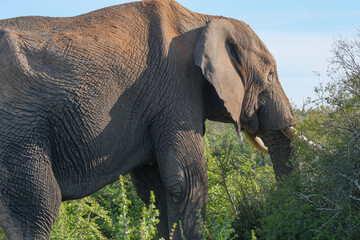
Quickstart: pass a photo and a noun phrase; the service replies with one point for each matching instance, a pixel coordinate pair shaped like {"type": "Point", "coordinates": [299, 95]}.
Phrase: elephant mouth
{"type": "Point", "coordinates": [259, 144]}
{"type": "Point", "coordinates": [289, 132]}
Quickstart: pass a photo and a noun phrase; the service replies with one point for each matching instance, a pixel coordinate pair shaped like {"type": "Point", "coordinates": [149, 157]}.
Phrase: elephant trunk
{"type": "Point", "coordinates": [278, 145]}
{"type": "Point", "coordinates": [280, 150]}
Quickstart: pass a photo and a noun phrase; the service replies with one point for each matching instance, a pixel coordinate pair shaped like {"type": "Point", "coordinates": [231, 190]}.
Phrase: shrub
{"type": "Point", "coordinates": [79, 220]}
{"type": "Point", "coordinates": [239, 180]}
{"type": "Point", "coordinates": [108, 214]}
{"type": "Point", "coordinates": [322, 200]}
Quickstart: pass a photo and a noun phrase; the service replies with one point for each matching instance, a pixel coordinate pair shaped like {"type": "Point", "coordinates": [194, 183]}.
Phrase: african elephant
{"type": "Point", "coordinates": [127, 89]}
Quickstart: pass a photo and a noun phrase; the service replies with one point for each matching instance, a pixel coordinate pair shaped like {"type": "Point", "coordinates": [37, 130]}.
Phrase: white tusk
{"type": "Point", "coordinates": [311, 143]}
{"type": "Point", "coordinates": [256, 142]}
{"type": "Point", "coordinates": [289, 132]}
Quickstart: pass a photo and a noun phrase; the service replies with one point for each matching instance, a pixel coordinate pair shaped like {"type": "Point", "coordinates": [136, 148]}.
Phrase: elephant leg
{"type": "Point", "coordinates": [182, 167]}
{"type": "Point", "coordinates": [29, 194]}
{"type": "Point", "coordinates": [146, 179]}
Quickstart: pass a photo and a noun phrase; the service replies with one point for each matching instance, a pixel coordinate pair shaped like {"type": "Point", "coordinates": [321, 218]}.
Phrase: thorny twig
{"type": "Point", "coordinates": [354, 181]}
{"type": "Point", "coordinates": [318, 230]}
{"type": "Point", "coordinates": [353, 197]}
{"type": "Point", "coordinates": [349, 121]}
{"type": "Point", "coordinates": [308, 197]}
{"type": "Point", "coordinates": [351, 140]}
{"type": "Point", "coordinates": [325, 209]}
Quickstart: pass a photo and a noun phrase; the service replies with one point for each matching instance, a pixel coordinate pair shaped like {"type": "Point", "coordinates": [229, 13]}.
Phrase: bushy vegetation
{"type": "Point", "coordinates": [320, 200]}
{"type": "Point", "coordinates": [240, 178]}
{"type": "Point", "coordinates": [114, 212]}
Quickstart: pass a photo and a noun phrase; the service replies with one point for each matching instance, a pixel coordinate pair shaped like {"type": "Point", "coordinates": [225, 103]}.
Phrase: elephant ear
{"type": "Point", "coordinates": [215, 54]}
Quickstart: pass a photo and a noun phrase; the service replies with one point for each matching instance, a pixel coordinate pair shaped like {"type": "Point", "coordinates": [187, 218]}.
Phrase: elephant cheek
{"type": "Point", "coordinates": [250, 124]}
{"type": "Point", "coordinates": [275, 116]}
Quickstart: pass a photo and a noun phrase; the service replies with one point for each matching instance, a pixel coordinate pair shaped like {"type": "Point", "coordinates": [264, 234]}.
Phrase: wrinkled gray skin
{"type": "Point", "coordinates": [126, 89]}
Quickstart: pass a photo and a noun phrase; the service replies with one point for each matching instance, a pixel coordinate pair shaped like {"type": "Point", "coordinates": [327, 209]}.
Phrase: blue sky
{"type": "Point", "coordinates": [299, 33]}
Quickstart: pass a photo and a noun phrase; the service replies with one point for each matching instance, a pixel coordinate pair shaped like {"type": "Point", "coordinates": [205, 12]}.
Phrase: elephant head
{"type": "Point", "coordinates": [244, 87]}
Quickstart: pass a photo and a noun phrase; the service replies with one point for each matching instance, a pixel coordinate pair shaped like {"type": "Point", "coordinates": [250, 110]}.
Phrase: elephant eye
{"type": "Point", "coordinates": [270, 76]}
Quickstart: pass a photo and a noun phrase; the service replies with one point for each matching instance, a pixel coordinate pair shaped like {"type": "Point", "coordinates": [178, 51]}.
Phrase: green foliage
{"type": "Point", "coordinates": [239, 180]}
{"type": "Point", "coordinates": [79, 220]}
{"type": "Point", "coordinates": [108, 214]}
{"type": "Point", "coordinates": [123, 230]}
{"type": "Point", "coordinates": [2, 234]}
{"type": "Point", "coordinates": [149, 220]}
{"type": "Point", "coordinates": [286, 217]}
{"type": "Point", "coordinates": [253, 237]}
{"type": "Point", "coordinates": [113, 197]}
{"type": "Point", "coordinates": [322, 200]}
{"type": "Point", "coordinates": [172, 231]}
{"type": "Point", "coordinates": [130, 228]}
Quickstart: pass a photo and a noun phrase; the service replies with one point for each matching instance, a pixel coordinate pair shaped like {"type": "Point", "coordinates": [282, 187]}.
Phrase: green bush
{"type": "Point", "coordinates": [116, 217]}
{"type": "Point", "coordinates": [239, 180]}
{"type": "Point", "coordinates": [79, 220]}
{"type": "Point", "coordinates": [322, 200]}
{"type": "Point", "coordinates": [2, 235]}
